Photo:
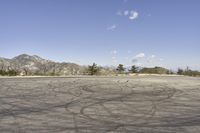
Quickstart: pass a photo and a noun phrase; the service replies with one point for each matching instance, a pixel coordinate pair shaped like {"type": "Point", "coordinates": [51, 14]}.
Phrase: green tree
{"type": "Point", "coordinates": [134, 69]}
{"type": "Point", "coordinates": [3, 73]}
{"type": "Point", "coordinates": [93, 70]}
{"type": "Point", "coordinates": [180, 71]}
{"type": "Point", "coordinates": [120, 68]}
{"type": "Point", "coordinates": [12, 73]}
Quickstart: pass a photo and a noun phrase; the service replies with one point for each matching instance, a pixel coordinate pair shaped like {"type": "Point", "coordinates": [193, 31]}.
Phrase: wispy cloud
{"type": "Point", "coordinates": [133, 15]}
{"type": "Point", "coordinates": [112, 27]}
{"type": "Point", "coordinates": [138, 57]}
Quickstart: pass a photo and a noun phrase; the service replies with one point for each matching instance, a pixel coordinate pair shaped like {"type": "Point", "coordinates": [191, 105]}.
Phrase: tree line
{"type": "Point", "coordinates": [94, 69]}
{"type": "Point", "coordinates": [188, 72]}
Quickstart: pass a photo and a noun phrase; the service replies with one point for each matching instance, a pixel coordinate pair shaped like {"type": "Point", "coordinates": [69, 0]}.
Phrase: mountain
{"type": "Point", "coordinates": [4, 63]}
{"type": "Point", "coordinates": [35, 65]}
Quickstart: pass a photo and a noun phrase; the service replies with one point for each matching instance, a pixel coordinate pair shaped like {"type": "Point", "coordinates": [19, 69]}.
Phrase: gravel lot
{"type": "Point", "coordinates": [147, 104]}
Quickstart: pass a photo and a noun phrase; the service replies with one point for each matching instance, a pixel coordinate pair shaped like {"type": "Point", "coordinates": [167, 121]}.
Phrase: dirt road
{"type": "Point", "coordinates": [149, 104]}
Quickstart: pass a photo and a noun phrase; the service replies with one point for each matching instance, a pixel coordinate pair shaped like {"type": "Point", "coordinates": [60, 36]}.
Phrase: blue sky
{"type": "Point", "coordinates": [108, 32]}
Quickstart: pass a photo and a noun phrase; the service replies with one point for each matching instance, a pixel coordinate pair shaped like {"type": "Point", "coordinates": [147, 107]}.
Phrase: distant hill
{"type": "Point", "coordinates": [35, 65]}
{"type": "Point", "coordinates": [155, 70]}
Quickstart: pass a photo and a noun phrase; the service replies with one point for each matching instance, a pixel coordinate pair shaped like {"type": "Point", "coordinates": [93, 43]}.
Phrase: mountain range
{"type": "Point", "coordinates": [29, 65]}
{"type": "Point", "coordinates": [25, 64]}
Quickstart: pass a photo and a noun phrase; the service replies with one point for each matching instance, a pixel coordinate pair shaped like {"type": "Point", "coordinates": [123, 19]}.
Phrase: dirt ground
{"type": "Point", "coordinates": [149, 104]}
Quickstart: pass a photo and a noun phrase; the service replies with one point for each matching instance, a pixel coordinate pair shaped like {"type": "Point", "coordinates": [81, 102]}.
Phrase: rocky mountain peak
{"type": "Point", "coordinates": [22, 56]}
{"type": "Point", "coordinates": [34, 64]}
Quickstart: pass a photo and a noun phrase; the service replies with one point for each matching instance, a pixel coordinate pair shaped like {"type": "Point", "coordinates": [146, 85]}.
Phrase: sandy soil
{"type": "Point", "coordinates": [152, 104]}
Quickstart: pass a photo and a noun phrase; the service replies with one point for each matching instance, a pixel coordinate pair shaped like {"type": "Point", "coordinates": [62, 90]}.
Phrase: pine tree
{"type": "Point", "coordinates": [120, 68]}
{"type": "Point", "coordinates": [93, 70]}
{"type": "Point", "coordinates": [133, 69]}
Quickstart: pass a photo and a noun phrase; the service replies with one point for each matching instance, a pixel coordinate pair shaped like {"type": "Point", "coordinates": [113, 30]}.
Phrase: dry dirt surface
{"type": "Point", "coordinates": [150, 104]}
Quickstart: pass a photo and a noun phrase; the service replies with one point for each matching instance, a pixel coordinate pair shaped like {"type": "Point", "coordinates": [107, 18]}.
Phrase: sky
{"type": "Point", "coordinates": [109, 32]}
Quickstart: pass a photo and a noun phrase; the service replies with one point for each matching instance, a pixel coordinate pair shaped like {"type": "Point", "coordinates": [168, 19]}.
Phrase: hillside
{"type": "Point", "coordinates": [155, 70]}
{"type": "Point", "coordinates": [35, 65]}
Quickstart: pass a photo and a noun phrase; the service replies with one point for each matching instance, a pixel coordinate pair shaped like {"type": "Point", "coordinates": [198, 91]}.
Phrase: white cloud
{"type": "Point", "coordinates": [112, 27]}
{"type": "Point", "coordinates": [146, 60]}
{"type": "Point", "coordinates": [140, 55]}
{"type": "Point", "coordinates": [126, 12]}
{"type": "Point", "coordinates": [133, 15]}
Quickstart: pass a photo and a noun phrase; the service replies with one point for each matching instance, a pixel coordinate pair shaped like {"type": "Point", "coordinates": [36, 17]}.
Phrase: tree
{"type": "Point", "coordinates": [180, 71]}
{"type": "Point", "coordinates": [93, 70]}
{"type": "Point", "coordinates": [12, 73]}
{"type": "Point", "coordinates": [134, 69]}
{"type": "Point", "coordinates": [3, 73]}
{"type": "Point", "coordinates": [120, 68]}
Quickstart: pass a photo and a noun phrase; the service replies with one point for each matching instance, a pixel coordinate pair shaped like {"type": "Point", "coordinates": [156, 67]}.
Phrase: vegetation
{"type": "Point", "coordinates": [3, 73]}
{"type": "Point", "coordinates": [180, 71]}
{"type": "Point", "coordinates": [8, 73]}
{"type": "Point", "coordinates": [160, 70]}
{"type": "Point", "coordinates": [134, 69]}
{"type": "Point", "coordinates": [120, 69]}
{"type": "Point", "coordinates": [155, 70]}
{"type": "Point", "coordinates": [188, 72]}
{"type": "Point", "coordinates": [93, 69]}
